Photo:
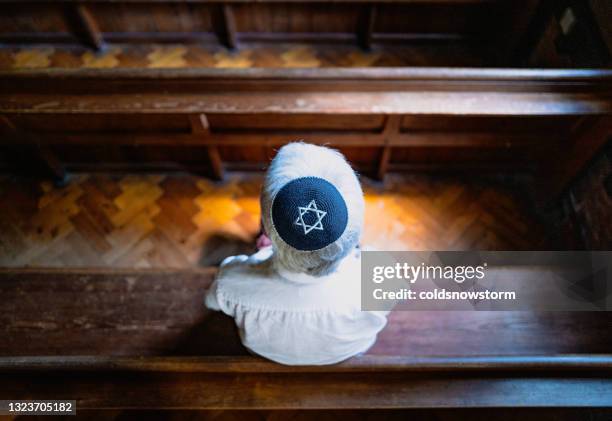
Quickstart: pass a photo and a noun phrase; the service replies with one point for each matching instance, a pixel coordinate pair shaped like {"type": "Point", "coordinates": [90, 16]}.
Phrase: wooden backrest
{"type": "Point", "coordinates": [429, 118]}
{"type": "Point", "coordinates": [94, 22]}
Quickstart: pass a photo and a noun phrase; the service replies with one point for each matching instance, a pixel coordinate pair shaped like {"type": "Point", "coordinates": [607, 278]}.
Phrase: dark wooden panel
{"type": "Point", "coordinates": [309, 122]}
{"type": "Point", "coordinates": [258, 158]}
{"type": "Point", "coordinates": [33, 18]}
{"type": "Point", "coordinates": [510, 124]}
{"type": "Point", "coordinates": [588, 138]}
{"type": "Point", "coordinates": [155, 156]}
{"type": "Point", "coordinates": [270, 21]}
{"type": "Point", "coordinates": [362, 157]}
{"type": "Point", "coordinates": [416, 155]}
{"type": "Point", "coordinates": [141, 17]}
{"type": "Point", "coordinates": [419, 17]}
{"type": "Point", "coordinates": [494, 333]}
{"type": "Point", "coordinates": [59, 123]}
{"type": "Point", "coordinates": [295, 17]}
{"type": "Point", "coordinates": [259, 154]}
{"type": "Point", "coordinates": [137, 314]}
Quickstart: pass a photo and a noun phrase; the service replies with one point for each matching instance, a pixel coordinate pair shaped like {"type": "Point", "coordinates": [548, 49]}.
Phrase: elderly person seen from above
{"type": "Point", "coordinates": [298, 300]}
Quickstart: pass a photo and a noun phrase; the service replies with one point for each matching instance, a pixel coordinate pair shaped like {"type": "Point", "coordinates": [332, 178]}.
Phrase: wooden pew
{"type": "Point", "coordinates": [382, 119]}
{"type": "Point", "coordinates": [142, 339]}
{"type": "Point", "coordinates": [465, 24]}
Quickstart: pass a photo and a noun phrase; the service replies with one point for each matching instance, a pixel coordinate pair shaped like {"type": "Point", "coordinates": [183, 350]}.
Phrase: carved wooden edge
{"type": "Point", "coordinates": [391, 131]}
{"type": "Point", "coordinates": [445, 74]}
{"type": "Point", "coordinates": [88, 27]}
{"type": "Point", "coordinates": [432, 103]}
{"type": "Point", "coordinates": [360, 364]}
{"type": "Point", "coordinates": [14, 136]}
{"type": "Point", "coordinates": [230, 36]}
{"type": "Point", "coordinates": [587, 138]}
{"type": "Point", "coordinates": [201, 129]}
{"type": "Point", "coordinates": [543, 13]}
{"type": "Point", "coordinates": [365, 28]}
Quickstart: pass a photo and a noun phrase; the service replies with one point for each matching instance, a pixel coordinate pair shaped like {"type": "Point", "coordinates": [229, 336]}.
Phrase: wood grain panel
{"type": "Point", "coordinates": [450, 19]}
{"type": "Point", "coordinates": [138, 346]}
{"type": "Point", "coordinates": [102, 123]}
{"type": "Point", "coordinates": [549, 125]}
{"type": "Point", "coordinates": [94, 312]}
{"type": "Point", "coordinates": [482, 154]}
{"type": "Point", "coordinates": [308, 122]}
{"type": "Point", "coordinates": [463, 119]}
{"type": "Point", "coordinates": [152, 18]}
{"type": "Point", "coordinates": [295, 17]}
{"type": "Point", "coordinates": [28, 18]}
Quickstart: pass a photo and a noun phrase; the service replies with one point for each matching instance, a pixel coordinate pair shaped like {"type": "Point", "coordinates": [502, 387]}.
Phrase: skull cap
{"type": "Point", "coordinates": [309, 213]}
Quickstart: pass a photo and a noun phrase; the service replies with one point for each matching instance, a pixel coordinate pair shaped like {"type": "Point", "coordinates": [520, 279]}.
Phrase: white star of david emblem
{"type": "Point", "coordinates": [312, 207]}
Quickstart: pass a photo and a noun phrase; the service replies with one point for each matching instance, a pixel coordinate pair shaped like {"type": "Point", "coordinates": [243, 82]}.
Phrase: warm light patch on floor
{"type": "Point", "coordinates": [183, 220]}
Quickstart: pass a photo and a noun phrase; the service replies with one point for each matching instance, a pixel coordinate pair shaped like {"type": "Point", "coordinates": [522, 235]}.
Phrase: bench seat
{"type": "Point", "coordinates": [142, 339]}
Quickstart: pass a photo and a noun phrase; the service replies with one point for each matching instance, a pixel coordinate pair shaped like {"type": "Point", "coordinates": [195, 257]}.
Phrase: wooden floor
{"type": "Point", "coordinates": [185, 221]}
{"type": "Point", "coordinates": [252, 55]}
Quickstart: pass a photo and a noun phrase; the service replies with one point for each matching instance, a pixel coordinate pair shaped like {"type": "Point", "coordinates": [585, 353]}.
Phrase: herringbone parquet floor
{"type": "Point", "coordinates": [253, 55]}
{"type": "Point", "coordinates": [184, 220]}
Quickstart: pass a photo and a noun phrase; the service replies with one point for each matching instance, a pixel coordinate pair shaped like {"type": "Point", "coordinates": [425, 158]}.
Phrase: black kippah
{"type": "Point", "coordinates": [309, 213]}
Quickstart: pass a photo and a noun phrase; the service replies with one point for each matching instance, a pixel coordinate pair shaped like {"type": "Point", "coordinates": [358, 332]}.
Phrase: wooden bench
{"type": "Point", "coordinates": [465, 24]}
{"type": "Point", "coordinates": [143, 339]}
{"type": "Point", "coordinates": [546, 122]}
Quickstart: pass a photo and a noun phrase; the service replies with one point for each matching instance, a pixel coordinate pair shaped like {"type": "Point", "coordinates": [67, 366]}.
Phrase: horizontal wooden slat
{"type": "Point", "coordinates": [338, 139]}
{"type": "Point", "coordinates": [265, 139]}
{"type": "Point", "coordinates": [415, 74]}
{"type": "Point", "coordinates": [432, 103]}
{"type": "Point", "coordinates": [360, 364]}
{"type": "Point", "coordinates": [306, 122]}
{"type": "Point", "coordinates": [209, 37]}
{"type": "Point", "coordinates": [553, 125]}
{"type": "Point", "coordinates": [117, 123]}
{"type": "Point", "coordinates": [310, 390]}
{"type": "Point", "coordinates": [325, 91]}
{"type": "Point", "coordinates": [472, 140]}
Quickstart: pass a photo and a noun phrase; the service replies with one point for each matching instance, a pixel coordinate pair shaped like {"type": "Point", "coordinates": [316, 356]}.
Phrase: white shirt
{"type": "Point", "coordinates": [294, 318]}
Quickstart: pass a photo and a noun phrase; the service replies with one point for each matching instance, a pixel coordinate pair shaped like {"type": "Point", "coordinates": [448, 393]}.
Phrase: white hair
{"type": "Point", "coordinates": [296, 160]}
